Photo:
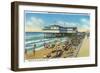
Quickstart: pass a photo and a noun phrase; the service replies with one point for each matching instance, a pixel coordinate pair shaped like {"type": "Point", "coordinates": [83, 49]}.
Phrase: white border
{"type": "Point", "coordinates": [56, 62]}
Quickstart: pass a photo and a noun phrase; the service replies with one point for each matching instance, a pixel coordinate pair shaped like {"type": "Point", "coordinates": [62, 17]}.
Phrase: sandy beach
{"type": "Point", "coordinates": [44, 52]}
{"type": "Point", "coordinates": [84, 50]}
{"type": "Point", "coordinates": [38, 54]}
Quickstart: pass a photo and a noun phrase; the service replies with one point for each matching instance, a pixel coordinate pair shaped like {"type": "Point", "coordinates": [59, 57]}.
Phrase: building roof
{"type": "Point", "coordinates": [48, 27]}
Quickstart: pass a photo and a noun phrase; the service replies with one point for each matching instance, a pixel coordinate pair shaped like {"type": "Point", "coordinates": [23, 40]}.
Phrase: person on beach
{"type": "Point", "coordinates": [34, 47]}
{"type": "Point", "coordinates": [46, 45]}
{"type": "Point", "coordinates": [25, 51]}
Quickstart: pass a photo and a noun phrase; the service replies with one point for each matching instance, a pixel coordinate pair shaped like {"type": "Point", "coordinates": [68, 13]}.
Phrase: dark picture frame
{"type": "Point", "coordinates": [15, 35]}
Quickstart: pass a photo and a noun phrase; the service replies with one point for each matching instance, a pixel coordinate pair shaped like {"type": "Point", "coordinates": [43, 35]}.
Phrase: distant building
{"type": "Point", "coordinates": [60, 29]}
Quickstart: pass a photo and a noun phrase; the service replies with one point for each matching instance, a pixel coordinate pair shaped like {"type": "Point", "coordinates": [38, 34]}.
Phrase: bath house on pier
{"type": "Point", "coordinates": [58, 31]}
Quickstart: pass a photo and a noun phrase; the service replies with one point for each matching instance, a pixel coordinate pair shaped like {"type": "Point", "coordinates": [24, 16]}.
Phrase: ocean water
{"type": "Point", "coordinates": [37, 38]}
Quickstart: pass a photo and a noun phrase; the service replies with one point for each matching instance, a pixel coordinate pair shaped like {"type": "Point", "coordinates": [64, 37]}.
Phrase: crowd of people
{"type": "Point", "coordinates": [67, 48]}
{"type": "Point", "coordinates": [63, 49]}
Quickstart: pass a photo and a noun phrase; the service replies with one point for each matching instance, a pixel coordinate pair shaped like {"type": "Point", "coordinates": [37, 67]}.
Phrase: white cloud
{"type": "Point", "coordinates": [67, 24]}
{"type": "Point", "coordinates": [34, 24]}
{"type": "Point", "coordinates": [71, 24]}
{"type": "Point", "coordinates": [85, 23]}
{"type": "Point", "coordinates": [60, 22]}
{"type": "Point", "coordinates": [83, 20]}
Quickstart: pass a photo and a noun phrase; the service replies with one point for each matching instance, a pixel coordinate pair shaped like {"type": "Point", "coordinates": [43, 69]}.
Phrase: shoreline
{"type": "Point", "coordinates": [44, 52]}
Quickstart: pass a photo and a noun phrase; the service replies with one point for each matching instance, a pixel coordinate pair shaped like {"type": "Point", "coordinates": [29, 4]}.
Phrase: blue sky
{"type": "Point", "coordinates": [39, 20]}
